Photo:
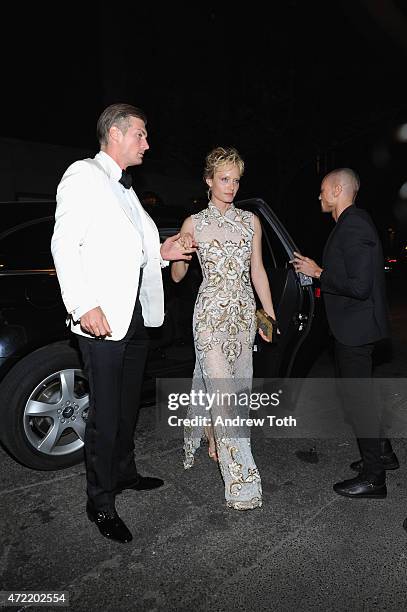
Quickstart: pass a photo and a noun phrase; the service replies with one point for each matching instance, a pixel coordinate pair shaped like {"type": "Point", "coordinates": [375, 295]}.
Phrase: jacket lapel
{"type": "Point", "coordinates": [124, 205]}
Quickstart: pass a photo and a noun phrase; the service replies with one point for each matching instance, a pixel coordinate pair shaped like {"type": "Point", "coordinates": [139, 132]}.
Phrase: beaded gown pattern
{"type": "Point", "coordinates": [224, 328]}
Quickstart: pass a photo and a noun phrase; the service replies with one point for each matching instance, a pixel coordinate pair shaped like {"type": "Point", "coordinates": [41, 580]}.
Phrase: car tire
{"type": "Point", "coordinates": [43, 408]}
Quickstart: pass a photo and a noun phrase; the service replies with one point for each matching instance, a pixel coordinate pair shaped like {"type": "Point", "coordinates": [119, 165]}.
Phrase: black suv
{"type": "Point", "coordinates": [43, 389]}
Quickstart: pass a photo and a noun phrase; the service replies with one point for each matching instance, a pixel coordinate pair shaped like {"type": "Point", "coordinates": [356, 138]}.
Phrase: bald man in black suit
{"type": "Point", "coordinates": [353, 285]}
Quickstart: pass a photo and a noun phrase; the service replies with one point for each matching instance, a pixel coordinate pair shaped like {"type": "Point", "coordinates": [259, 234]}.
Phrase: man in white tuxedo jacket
{"type": "Point", "coordinates": [108, 260]}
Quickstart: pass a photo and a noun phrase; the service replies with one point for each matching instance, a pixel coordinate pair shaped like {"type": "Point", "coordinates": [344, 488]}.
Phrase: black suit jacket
{"type": "Point", "coordinates": [353, 280]}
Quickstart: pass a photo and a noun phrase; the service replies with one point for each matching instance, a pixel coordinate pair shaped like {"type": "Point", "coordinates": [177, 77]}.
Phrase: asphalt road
{"type": "Point", "coordinates": [305, 549]}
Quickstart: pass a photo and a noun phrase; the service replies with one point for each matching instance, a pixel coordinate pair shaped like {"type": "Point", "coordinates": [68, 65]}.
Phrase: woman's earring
{"type": "Point", "coordinates": [209, 194]}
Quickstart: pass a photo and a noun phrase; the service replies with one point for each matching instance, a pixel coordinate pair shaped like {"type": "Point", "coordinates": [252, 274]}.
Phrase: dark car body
{"type": "Point", "coordinates": [43, 389]}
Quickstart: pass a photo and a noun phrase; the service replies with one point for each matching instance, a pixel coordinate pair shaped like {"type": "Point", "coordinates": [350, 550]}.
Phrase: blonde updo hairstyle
{"type": "Point", "coordinates": [222, 156]}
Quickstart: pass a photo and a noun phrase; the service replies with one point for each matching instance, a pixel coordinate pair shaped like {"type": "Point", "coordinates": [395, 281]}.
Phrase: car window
{"type": "Point", "coordinates": [273, 251]}
{"type": "Point", "coordinates": [28, 245]}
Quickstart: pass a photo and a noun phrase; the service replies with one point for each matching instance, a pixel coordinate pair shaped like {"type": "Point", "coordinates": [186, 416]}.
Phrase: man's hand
{"type": "Point", "coordinates": [306, 265]}
{"type": "Point", "coordinates": [94, 322]}
{"type": "Point", "coordinates": [173, 249]}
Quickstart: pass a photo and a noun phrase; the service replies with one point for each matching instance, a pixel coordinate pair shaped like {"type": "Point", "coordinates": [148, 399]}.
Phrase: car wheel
{"type": "Point", "coordinates": [44, 403]}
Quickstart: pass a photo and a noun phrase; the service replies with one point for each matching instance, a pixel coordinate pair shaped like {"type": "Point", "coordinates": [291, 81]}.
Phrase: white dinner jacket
{"type": "Point", "coordinates": [97, 248]}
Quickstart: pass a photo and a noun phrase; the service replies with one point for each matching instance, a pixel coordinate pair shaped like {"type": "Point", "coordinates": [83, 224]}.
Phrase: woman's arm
{"type": "Point", "coordinates": [180, 268]}
{"type": "Point", "coordinates": [258, 273]}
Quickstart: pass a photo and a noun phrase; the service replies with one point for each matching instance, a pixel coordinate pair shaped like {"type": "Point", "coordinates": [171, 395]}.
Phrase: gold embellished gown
{"type": "Point", "coordinates": [224, 328]}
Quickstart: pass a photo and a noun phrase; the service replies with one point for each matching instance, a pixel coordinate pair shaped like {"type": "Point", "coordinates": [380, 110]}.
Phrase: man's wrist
{"type": "Point", "coordinates": [163, 262]}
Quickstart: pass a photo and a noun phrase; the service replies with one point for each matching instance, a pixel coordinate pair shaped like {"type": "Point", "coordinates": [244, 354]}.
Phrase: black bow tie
{"type": "Point", "coordinates": [126, 179]}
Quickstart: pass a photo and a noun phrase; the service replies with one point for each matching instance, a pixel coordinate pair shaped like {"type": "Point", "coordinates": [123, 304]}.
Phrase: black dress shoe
{"type": "Point", "coordinates": [140, 483]}
{"type": "Point", "coordinates": [390, 462]}
{"type": "Point", "coordinates": [361, 487]}
{"type": "Point", "coordinates": [109, 524]}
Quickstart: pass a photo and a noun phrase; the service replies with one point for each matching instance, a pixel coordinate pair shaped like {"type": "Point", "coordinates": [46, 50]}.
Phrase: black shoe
{"type": "Point", "coordinates": [140, 483]}
{"type": "Point", "coordinates": [109, 524]}
{"type": "Point", "coordinates": [361, 487]}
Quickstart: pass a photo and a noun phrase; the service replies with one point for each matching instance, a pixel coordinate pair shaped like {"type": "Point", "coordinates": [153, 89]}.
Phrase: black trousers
{"type": "Point", "coordinates": [115, 370]}
{"type": "Point", "coordinates": [355, 362]}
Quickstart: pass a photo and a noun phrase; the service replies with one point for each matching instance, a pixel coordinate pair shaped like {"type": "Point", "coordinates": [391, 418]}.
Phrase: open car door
{"type": "Point", "coordinates": [293, 298]}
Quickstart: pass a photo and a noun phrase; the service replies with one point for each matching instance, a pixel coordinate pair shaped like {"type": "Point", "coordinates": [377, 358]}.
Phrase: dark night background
{"type": "Point", "coordinates": [299, 88]}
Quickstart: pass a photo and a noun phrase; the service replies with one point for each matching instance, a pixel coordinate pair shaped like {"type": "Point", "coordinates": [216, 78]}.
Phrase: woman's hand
{"type": "Point", "coordinates": [262, 335]}
{"type": "Point", "coordinates": [172, 249]}
{"type": "Point", "coordinates": [186, 241]}
{"type": "Point", "coordinates": [275, 327]}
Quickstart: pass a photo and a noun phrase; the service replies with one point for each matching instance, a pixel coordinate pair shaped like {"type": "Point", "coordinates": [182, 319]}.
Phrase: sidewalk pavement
{"type": "Point", "coordinates": [305, 549]}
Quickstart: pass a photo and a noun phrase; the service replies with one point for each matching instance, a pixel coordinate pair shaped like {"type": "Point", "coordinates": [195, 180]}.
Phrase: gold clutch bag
{"type": "Point", "coordinates": [266, 323]}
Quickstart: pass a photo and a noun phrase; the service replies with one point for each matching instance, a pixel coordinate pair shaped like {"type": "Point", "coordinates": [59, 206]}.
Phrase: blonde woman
{"type": "Point", "coordinates": [224, 324]}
